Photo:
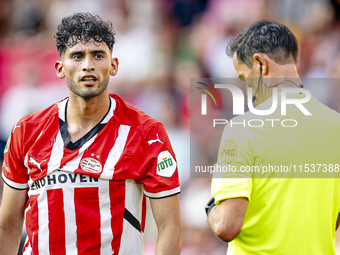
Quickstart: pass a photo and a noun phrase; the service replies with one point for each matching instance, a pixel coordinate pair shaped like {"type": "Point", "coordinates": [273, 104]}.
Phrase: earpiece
{"type": "Point", "coordinates": [260, 80]}
{"type": "Point", "coordinates": [258, 85]}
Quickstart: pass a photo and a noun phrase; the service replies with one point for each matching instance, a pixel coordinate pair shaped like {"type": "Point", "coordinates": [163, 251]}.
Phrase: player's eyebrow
{"type": "Point", "coordinates": [94, 52]}
{"type": "Point", "coordinates": [76, 53]}
{"type": "Point", "coordinates": [98, 51]}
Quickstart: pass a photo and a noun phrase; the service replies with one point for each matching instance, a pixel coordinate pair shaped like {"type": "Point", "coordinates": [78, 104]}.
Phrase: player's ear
{"type": "Point", "coordinates": [260, 60]}
{"type": "Point", "coordinates": [59, 69]}
{"type": "Point", "coordinates": [114, 66]}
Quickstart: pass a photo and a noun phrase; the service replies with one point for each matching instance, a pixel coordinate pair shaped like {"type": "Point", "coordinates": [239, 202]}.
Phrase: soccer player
{"type": "Point", "coordinates": [277, 211]}
{"type": "Point", "coordinates": [85, 162]}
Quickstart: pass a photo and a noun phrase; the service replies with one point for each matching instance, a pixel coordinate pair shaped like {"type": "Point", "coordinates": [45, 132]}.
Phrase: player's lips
{"type": "Point", "coordinates": [89, 79]}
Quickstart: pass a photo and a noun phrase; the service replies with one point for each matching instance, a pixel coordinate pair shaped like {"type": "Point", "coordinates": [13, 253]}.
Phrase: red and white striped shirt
{"type": "Point", "coordinates": [87, 197]}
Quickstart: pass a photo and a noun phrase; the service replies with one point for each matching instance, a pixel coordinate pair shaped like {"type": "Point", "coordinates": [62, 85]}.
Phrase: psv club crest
{"type": "Point", "coordinates": [91, 165]}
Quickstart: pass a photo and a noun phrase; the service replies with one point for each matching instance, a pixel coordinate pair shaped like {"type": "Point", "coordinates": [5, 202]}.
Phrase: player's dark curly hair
{"type": "Point", "coordinates": [82, 27]}
{"type": "Point", "coordinates": [268, 37]}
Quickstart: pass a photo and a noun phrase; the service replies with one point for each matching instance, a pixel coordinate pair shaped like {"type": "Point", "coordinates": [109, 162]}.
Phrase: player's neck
{"type": "Point", "coordinates": [82, 115]}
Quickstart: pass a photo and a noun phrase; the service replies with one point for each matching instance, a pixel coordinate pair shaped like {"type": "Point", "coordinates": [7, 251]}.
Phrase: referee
{"type": "Point", "coordinates": [276, 212]}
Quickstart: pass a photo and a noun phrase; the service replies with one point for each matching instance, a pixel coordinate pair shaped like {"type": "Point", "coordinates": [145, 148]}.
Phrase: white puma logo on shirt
{"type": "Point", "coordinates": [33, 161]}
{"type": "Point", "coordinates": [155, 140]}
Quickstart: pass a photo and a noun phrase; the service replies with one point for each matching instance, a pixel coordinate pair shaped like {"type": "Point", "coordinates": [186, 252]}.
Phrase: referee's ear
{"type": "Point", "coordinates": [59, 69]}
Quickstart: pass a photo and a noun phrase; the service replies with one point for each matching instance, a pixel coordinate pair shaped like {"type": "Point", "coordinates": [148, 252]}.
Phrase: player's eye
{"type": "Point", "coordinates": [99, 56]}
{"type": "Point", "coordinates": [77, 56]}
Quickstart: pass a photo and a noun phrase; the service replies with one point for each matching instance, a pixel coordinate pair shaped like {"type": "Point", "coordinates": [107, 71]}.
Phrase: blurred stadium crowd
{"type": "Point", "coordinates": [161, 44]}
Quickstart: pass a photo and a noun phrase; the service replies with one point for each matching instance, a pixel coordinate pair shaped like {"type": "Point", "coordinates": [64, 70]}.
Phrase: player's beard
{"type": "Point", "coordinates": [88, 92]}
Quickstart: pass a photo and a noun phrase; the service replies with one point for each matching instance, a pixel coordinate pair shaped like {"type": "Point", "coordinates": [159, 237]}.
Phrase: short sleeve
{"type": "Point", "coordinates": [14, 173]}
{"type": "Point", "coordinates": [155, 163]}
{"type": "Point", "coordinates": [235, 153]}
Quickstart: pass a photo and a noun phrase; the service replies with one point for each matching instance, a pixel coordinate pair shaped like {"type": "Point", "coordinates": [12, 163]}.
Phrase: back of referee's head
{"type": "Point", "coordinates": [265, 36]}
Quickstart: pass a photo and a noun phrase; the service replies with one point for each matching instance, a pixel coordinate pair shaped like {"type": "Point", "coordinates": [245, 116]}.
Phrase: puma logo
{"type": "Point", "coordinates": [155, 140]}
{"type": "Point", "coordinates": [34, 162]}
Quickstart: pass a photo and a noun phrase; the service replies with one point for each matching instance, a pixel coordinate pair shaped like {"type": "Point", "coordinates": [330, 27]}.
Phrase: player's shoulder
{"type": "Point", "coordinates": [40, 117]}
{"type": "Point", "coordinates": [133, 116]}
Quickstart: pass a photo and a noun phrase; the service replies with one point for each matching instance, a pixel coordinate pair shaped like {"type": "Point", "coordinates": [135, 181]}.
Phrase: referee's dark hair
{"type": "Point", "coordinates": [265, 36]}
{"type": "Point", "coordinates": [83, 27]}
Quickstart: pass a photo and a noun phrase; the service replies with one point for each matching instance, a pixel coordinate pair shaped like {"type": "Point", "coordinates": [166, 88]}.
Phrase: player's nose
{"type": "Point", "coordinates": [88, 64]}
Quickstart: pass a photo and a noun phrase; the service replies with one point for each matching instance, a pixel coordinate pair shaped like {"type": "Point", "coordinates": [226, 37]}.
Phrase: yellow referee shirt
{"type": "Point", "coordinates": [290, 176]}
